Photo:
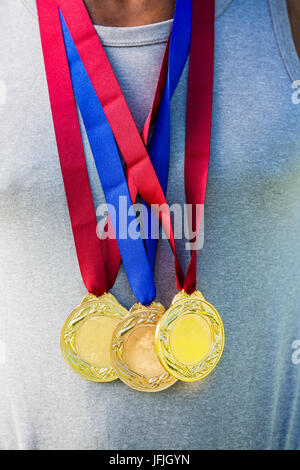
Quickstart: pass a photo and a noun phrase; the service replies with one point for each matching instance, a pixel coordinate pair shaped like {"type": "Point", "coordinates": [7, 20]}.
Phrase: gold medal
{"type": "Point", "coordinates": [86, 337]}
{"type": "Point", "coordinates": [189, 337]}
{"type": "Point", "coordinates": [133, 350]}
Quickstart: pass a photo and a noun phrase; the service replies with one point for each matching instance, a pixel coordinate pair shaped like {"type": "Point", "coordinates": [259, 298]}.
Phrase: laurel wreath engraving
{"type": "Point", "coordinates": [140, 315]}
{"type": "Point", "coordinates": [106, 305]}
{"type": "Point", "coordinates": [187, 305]}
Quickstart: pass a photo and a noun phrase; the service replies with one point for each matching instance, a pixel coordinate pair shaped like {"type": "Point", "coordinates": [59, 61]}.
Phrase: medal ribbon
{"type": "Point", "coordinates": [199, 118]}
{"type": "Point", "coordinates": [199, 111]}
{"type": "Point", "coordinates": [140, 169]}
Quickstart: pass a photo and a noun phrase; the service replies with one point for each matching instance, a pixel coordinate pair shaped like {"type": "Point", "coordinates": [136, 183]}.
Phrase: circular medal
{"type": "Point", "coordinates": [133, 350]}
{"type": "Point", "coordinates": [86, 337]}
{"type": "Point", "coordinates": [189, 337]}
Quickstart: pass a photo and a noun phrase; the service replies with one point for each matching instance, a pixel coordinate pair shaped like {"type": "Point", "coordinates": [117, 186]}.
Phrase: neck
{"type": "Point", "coordinates": [294, 14]}
{"type": "Point", "coordinates": [129, 12]}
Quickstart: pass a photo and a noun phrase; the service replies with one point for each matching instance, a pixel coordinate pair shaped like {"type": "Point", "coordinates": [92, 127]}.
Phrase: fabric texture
{"type": "Point", "coordinates": [249, 266]}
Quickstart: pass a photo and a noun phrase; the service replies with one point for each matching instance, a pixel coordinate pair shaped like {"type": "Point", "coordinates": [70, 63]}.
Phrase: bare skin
{"type": "Point", "coordinates": [129, 12]}
{"type": "Point", "coordinates": [294, 14]}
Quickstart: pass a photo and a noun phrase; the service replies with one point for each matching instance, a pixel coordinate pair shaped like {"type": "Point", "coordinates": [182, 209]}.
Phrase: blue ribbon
{"type": "Point", "coordinates": [138, 263]}
{"type": "Point", "coordinates": [159, 149]}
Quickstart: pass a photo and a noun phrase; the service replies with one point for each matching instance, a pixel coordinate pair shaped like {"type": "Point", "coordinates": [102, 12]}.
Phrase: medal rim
{"type": "Point", "coordinates": [183, 298]}
{"type": "Point", "coordinates": [87, 301]}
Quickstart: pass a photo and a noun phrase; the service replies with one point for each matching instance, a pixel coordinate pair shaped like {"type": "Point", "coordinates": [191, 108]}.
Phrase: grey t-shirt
{"type": "Point", "coordinates": [249, 267]}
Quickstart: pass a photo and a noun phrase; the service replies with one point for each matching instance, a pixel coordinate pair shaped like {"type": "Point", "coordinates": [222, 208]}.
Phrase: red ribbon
{"type": "Point", "coordinates": [199, 117]}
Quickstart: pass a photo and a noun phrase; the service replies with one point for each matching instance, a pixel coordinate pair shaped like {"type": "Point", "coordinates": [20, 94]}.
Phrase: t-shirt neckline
{"type": "Point", "coordinates": [132, 36]}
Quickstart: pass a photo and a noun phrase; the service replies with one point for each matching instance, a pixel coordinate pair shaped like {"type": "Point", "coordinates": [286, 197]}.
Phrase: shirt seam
{"type": "Point", "coordinates": [291, 70]}
{"type": "Point", "coordinates": [29, 8]}
{"type": "Point", "coordinates": [132, 44]}
{"type": "Point", "coordinates": [220, 11]}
